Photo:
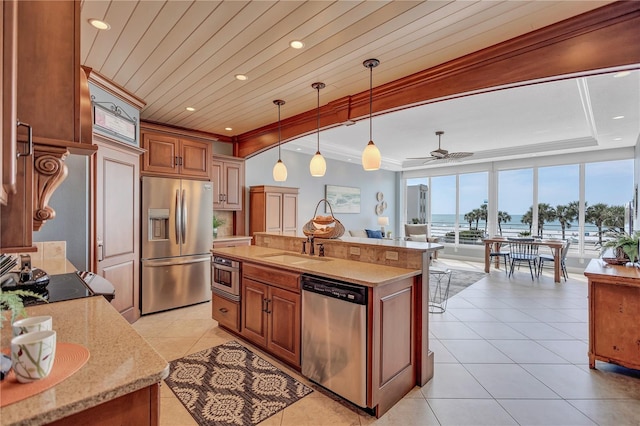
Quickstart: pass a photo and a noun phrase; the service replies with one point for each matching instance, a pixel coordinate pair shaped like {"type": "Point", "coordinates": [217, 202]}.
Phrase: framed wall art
{"type": "Point", "coordinates": [343, 199]}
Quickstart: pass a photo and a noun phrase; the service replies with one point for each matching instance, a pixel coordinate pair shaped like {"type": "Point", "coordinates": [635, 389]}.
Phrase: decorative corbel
{"type": "Point", "coordinates": [49, 172]}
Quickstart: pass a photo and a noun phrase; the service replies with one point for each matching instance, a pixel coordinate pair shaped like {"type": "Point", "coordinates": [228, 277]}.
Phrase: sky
{"type": "Point", "coordinates": [605, 182]}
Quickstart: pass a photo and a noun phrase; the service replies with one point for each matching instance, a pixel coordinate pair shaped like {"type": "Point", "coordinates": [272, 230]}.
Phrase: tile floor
{"type": "Point", "coordinates": [507, 352]}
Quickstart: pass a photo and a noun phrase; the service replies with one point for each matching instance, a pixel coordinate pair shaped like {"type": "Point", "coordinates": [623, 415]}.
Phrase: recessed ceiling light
{"type": "Point", "coordinates": [298, 149]}
{"type": "Point", "coordinates": [228, 129]}
{"type": "Point", "coordinates": [101, 25]}
{"type": "Point", "coordinates": [621, 74]}
{"type": "Point", "coordinates": [296, 44]}
{"type": "Point", "coordinates": [617, 139]}
{"type": "Point", "coordinates": [241, 77]}
{"type": "Point", "coordinates": [618, 117]}
{"type": "Point", "coordinates": [191, 109]}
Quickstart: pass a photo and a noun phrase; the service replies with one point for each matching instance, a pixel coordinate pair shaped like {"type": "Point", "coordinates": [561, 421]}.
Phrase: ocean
{"type": "Point", "coordinates": [442, 221]}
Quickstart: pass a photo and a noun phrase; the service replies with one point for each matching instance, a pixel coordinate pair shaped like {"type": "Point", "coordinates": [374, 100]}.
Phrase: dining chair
{"type": "Point", "coordinates": [504, 253]}
{"type": "Point", "coordinates": [549, 258]}
{"type": "Point", "coordinates": [522, 250]}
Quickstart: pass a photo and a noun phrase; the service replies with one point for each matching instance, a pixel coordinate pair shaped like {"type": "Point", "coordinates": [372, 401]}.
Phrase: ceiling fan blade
{"type": "Point", "coordinates": [459, 154]}
{"type": "Point", "coordinates": [420, 158]}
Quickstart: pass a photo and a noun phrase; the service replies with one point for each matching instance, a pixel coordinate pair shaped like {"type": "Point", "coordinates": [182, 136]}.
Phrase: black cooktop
{"type": "Point", "coordinates": [62, 287]}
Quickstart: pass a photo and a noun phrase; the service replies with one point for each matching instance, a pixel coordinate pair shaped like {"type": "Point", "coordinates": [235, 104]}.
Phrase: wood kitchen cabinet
{"type": "Point", "coordinates": [226, 312]}
{"type": "Point", "coordinates": [614, 309]}
{"type": "Point", "coordinates": [227, 176]}
{"type": "Point", "coordinates": [270, 311]}
{"type": "Point", "coordinates": [117, 200]}
{"type": "Point", "coordinates": [172, 156]}
{"type": "Point", "coordinates": [44, 87]}
{"type": "Point", "coordinates": [273, 209]}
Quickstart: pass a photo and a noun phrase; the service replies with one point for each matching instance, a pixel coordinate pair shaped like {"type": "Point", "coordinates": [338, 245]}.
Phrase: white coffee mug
{"type": "Point", "coordinates": [31, 324]}
{"type": "Point", "coordinates": [32, 355]}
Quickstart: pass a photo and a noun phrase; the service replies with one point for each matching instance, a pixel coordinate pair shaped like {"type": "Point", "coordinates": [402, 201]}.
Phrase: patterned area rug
{"type": "Point", "coordinates": [230, 385]}
{"type": "Point", "coordinates": [461, 279]}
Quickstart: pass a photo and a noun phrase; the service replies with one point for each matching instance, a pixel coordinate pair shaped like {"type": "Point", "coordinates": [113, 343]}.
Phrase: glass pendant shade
{"type": "Point", "coordinates": [318, 165]}
{"type": "Point", "coordinates": [279, 171]}
{"type": "Point", "coordinates": [371, 157]}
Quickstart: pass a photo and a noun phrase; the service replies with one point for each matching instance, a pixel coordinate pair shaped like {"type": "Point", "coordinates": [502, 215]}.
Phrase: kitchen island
{"type": "Point", "coordinates": [120, 382]}
{"type": "Point", "coordinates": [395, 275]}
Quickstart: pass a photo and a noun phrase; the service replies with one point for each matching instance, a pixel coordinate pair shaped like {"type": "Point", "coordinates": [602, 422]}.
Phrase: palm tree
{"type": "Point", "coordinates": [528, 218]}
{"type": "Point", "coordinates": [470, 217]}
{"type": "Point", "coordinates": [566, 215]}
{"type": "Point", "coordinates": [546, 213]}
{"type": "Point", "coordinates": [502, 217]}
{"type": "Point", "coordinates": [478, 215]}
{"type": "Point", "coordinates": [597, 214]}
{"type": "Point", "coordinates": [484, 215]}
{"type": "Point", "coordinates": [615, 218]}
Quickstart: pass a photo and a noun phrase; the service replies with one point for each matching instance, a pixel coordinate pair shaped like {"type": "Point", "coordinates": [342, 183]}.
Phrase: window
{"type": "Point", "coordinates": [443, 206]}
{"type": "Point", "coordinates": [515, 198]}
{"type": "Point", "coordinates": [473, 207]}
{"type": "Point", "coordinates": [608, 189]}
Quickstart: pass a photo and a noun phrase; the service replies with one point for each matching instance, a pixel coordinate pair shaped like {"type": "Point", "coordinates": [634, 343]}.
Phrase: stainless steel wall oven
{"type": "Point", "coordinates": [225, 277]}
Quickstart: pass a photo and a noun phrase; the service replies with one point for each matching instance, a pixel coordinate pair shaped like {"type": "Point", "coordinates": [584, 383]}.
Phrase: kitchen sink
{"type": "Point", "coordinates": [295, 259]}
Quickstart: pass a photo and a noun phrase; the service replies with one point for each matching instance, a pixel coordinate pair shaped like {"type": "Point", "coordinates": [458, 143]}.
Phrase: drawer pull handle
{"type": "Point", "coordinates": [223, 310]}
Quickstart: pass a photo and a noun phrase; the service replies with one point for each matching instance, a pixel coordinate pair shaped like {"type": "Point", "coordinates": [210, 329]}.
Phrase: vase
{"type": "Point", "coordinates": [215, 232]}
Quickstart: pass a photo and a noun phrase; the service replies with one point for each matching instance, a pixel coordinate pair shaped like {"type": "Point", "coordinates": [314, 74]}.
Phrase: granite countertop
{"type": "Point", "coordinates": [231, 238]}
{"type": "Point", "coordinates": [120, 361]}
{"type": "Point", "coordinates": [368, 274]}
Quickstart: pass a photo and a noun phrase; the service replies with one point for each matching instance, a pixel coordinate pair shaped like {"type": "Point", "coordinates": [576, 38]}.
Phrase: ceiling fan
{"type": "Point", "coordinates": [442, 154]}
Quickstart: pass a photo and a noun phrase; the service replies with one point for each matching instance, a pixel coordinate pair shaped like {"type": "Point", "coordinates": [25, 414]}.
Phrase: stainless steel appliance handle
{"type": "Point", "coordinates": [172, 261]}
{"type": "Point", "coordinates": [225, 268]}
{"type": "Point", "coordinates": [178, 217]}
{"type": "Point", "coordinates": [183, 224]}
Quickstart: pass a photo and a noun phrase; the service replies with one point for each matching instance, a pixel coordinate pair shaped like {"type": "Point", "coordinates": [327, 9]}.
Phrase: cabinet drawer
{"type": "Point", "coordinates": [226, 312]}
{"type": "Point", "coordinates": [272, 276]}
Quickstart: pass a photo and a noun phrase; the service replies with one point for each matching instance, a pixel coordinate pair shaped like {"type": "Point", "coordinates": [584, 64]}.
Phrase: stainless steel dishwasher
{"type": "Point", "coordinates": [334, 336]}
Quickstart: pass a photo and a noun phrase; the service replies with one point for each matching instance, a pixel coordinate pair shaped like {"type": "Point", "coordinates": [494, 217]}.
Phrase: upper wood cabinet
{"type": "Point", "coordinates": [273, 209]}
{"type": "Point", "coordinates": [227, 176]}
{"type": "Point", "coordinates": [173, 156]}
{"type": "Point", "coordinates": [53, 91]}
{"type": "Point", "coordinates": [42, 86]}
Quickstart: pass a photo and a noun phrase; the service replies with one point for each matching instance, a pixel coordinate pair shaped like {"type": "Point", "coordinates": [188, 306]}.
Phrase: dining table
{"type": "Point", "coordinates": [494, 244]}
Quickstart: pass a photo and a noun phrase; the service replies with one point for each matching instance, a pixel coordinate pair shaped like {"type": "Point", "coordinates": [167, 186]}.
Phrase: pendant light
{"type": "Point", "coordinates": [371, 158]}
{"type": "Point", "coordinates": [279, 170]}
{"type": "Point", "coordinates": [318, 166]}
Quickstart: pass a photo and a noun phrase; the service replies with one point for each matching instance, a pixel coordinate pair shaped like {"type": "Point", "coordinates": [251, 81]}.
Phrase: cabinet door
{"type": "Point", "coordinates": [194, 158]}
{"type": "Point", "coordinates": [283, 309]}
{"type": "Point", "coordinates": [118, 225]}
{"type": "Point", "coordinates": [49, 77]}
{"type": "Point", "coordinates": [162, 154]}
{"type": "Point", "coordinates": [217, 177]}
{"type": "Point", "coordinates": [615, 323]}
{"type": "Point", "coordinates": [273, 212]}
{"type": "Point", "coordinates": [233, 180]}
{"type": "Point", "coordinates": [254, 317]}
{"type": "Point", "coordinates": [290, 214]}
{"type": "Point", "coordinates": [8, 82]}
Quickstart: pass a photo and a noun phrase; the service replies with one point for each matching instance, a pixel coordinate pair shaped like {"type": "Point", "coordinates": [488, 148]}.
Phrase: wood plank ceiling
{"type": "Point", "coordinates": [178, 54]}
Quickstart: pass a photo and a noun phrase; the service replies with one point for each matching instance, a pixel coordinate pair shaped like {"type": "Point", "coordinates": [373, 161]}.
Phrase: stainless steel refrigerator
{"type": "Point", "coordinates": [176, 242]}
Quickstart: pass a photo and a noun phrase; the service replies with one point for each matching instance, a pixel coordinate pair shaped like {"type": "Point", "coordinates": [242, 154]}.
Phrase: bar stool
{"type": "Point", "coordinates": [439, 282]}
